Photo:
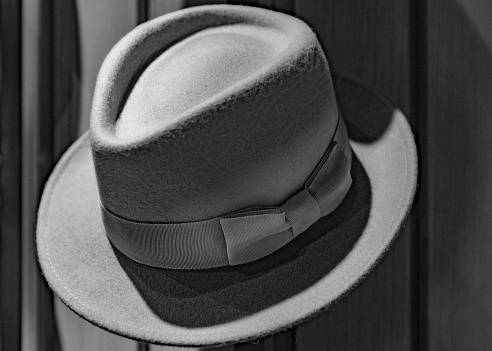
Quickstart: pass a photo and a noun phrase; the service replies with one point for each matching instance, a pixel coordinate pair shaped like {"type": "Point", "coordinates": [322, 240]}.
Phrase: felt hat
{"type": "Point", "coordinates": [229, 187]}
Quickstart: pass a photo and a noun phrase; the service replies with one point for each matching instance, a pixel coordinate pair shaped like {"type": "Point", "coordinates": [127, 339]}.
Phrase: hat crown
{"type": "Point", "coordinates": [251, 141]}
{"type": "Point", "coordinates": [194, 70]}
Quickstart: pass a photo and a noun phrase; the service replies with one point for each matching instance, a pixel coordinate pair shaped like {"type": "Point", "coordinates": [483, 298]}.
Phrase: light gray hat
{"type": "Point", "coordinates": [229, 187]}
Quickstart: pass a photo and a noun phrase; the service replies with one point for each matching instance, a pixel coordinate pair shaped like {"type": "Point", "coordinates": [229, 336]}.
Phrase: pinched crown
{"type": "Point", "coordinates": [208, 111]}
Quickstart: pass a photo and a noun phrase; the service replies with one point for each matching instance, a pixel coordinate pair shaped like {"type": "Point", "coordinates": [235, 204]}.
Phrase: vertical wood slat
{"type": "Point", "coordinates": [10, 147]}
{"type": "Point", "coordinates": [458, 173]}
{"type": "Point", "coordinates": [173, 348]}
{"type": "Point", "coordinates": [189, 3]}
{"type": "Point", "coordinates": [142, 11]}
{"type": "Point", "coordinates": [31, 62]}
{"type": "Point", "coordinates": [102, 24]}
{"type": "Point", "coordinates": [282, 341]}
{"type": "Point", "coordinates": [260, 3]}
{"type": "Point", "coordinates": [66, 76]}
{"type": "Point", "coordinates": [158, 7]}
{"type": "Point", "coordinates": [286, 6]}
{"type": "Point", "coordinates": [45, 336]}
{"type": "Point", "coordinates": [420, 259]}
{"type": "Point", "coordinates": [369, 41]}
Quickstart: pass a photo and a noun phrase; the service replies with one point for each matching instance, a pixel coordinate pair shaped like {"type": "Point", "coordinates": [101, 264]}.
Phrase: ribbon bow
{"type": "Point", "coordinates": [241, 236]}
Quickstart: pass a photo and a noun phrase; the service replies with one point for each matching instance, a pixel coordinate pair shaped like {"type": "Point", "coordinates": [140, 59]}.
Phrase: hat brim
{"type": "Point", "coordinates": [231, 304]}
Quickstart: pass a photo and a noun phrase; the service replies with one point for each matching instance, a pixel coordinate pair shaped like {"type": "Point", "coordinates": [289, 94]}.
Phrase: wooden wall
{"type": "Point", "coordinates": [10, 168]}
{"type": "Point", "coordinates": [431, 59]}
{"type": "Point", "coordinates": [458, 175]}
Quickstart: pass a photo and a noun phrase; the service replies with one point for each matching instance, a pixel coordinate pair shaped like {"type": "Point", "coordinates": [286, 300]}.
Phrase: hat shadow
{"type": "Point", "coordinates": [200, 298]}
{"type": "Point", "coordinates": [366, 116]}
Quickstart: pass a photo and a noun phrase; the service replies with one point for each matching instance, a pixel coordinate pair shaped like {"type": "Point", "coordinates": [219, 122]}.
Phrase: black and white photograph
{"type": "Point", "coordinates": [256, 175]}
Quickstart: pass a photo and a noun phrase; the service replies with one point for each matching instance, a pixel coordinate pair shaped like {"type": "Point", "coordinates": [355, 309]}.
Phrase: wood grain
{"type": "Point", "coordinates": [188, 3]}
{"type": "Point", "coordinates": [458, 173]}
{"type": "Point", "coordinates": [158, 7]}
{"type": "Point", "coordinates": [10, 180]}
{"type": "Point", "coordinates": [369, 41]}
{"type": "Point", "coordinates": [283, 341]}
{"type": "Point", "coordinates": [102, 24]}
{"type": "Point", "coordinates": [31, 277]}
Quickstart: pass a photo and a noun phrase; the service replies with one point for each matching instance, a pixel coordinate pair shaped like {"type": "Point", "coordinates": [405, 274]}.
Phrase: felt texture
{"type": "Point", "coordinates": [231, 304]}
{"type": "Point", "coordinates": [241, 236]}
{"type": "Point", "coordinates": [210, 110]}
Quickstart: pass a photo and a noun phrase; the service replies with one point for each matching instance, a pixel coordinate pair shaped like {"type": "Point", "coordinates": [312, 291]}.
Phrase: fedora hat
{"type": "Point", "coordinates": [229, 186]}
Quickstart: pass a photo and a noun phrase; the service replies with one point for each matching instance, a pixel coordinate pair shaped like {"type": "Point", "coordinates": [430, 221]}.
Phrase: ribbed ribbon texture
{"type": "Point", "coordinates": [241, 236]}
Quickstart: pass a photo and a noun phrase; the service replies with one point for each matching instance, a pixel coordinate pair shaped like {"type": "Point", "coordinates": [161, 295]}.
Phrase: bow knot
{"type": "Point", "coordinates": [254, 233]}
{"type": "Point", "coordinates": [301, 210]}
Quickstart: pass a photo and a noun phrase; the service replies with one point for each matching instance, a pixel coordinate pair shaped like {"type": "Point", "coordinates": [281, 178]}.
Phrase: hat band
{"type": "Point", "coordinates": [240, 236]}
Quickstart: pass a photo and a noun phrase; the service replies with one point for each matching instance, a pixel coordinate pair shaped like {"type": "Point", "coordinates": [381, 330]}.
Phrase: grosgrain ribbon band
{"type": "Point", "coordinates": [241, 236]}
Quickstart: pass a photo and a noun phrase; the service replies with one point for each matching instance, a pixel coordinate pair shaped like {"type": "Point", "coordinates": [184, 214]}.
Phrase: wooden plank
{"type": "Point", "coordinates": [102, 24]}
{"type": "Point", "coordinates": [189, 3]}
{"type": "Point", "coordinates": [66, 76]}
{"type": "Point", "coordinates": [369, 41]}
{"type": "Point", "coordinates": [158, 7]}
{"type": "Point", "coordinates": [173, 348]}
{"type": "Point", "coordinates": [458, 173]}
{"type": "Point", "coordinates": [259, 3]}
{"type": "Point", "coordinates": [142, 11]}
{"type": "Point", "coordinates": [31, 278]}
{"type": "Point", "coordinates": [10, 178]}
{"type": "Point", "coordinates": [286, 6]}
{"type": "Point", "coordinates": [45, 337]}
{"type": "Point", "coordinates": [283, 341]}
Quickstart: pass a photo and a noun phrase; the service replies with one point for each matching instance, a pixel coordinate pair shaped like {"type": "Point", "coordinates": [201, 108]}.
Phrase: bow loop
{"type": "Point", "coordinates": [250, 237]}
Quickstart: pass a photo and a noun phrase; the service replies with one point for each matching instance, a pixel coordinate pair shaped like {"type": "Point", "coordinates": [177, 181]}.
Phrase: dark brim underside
{"type": "Point", "coordinates": [231, 304]}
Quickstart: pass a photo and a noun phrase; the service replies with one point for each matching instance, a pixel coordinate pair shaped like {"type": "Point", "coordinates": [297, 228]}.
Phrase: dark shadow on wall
{"type": "Point", "coordinates": [459, 173]}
